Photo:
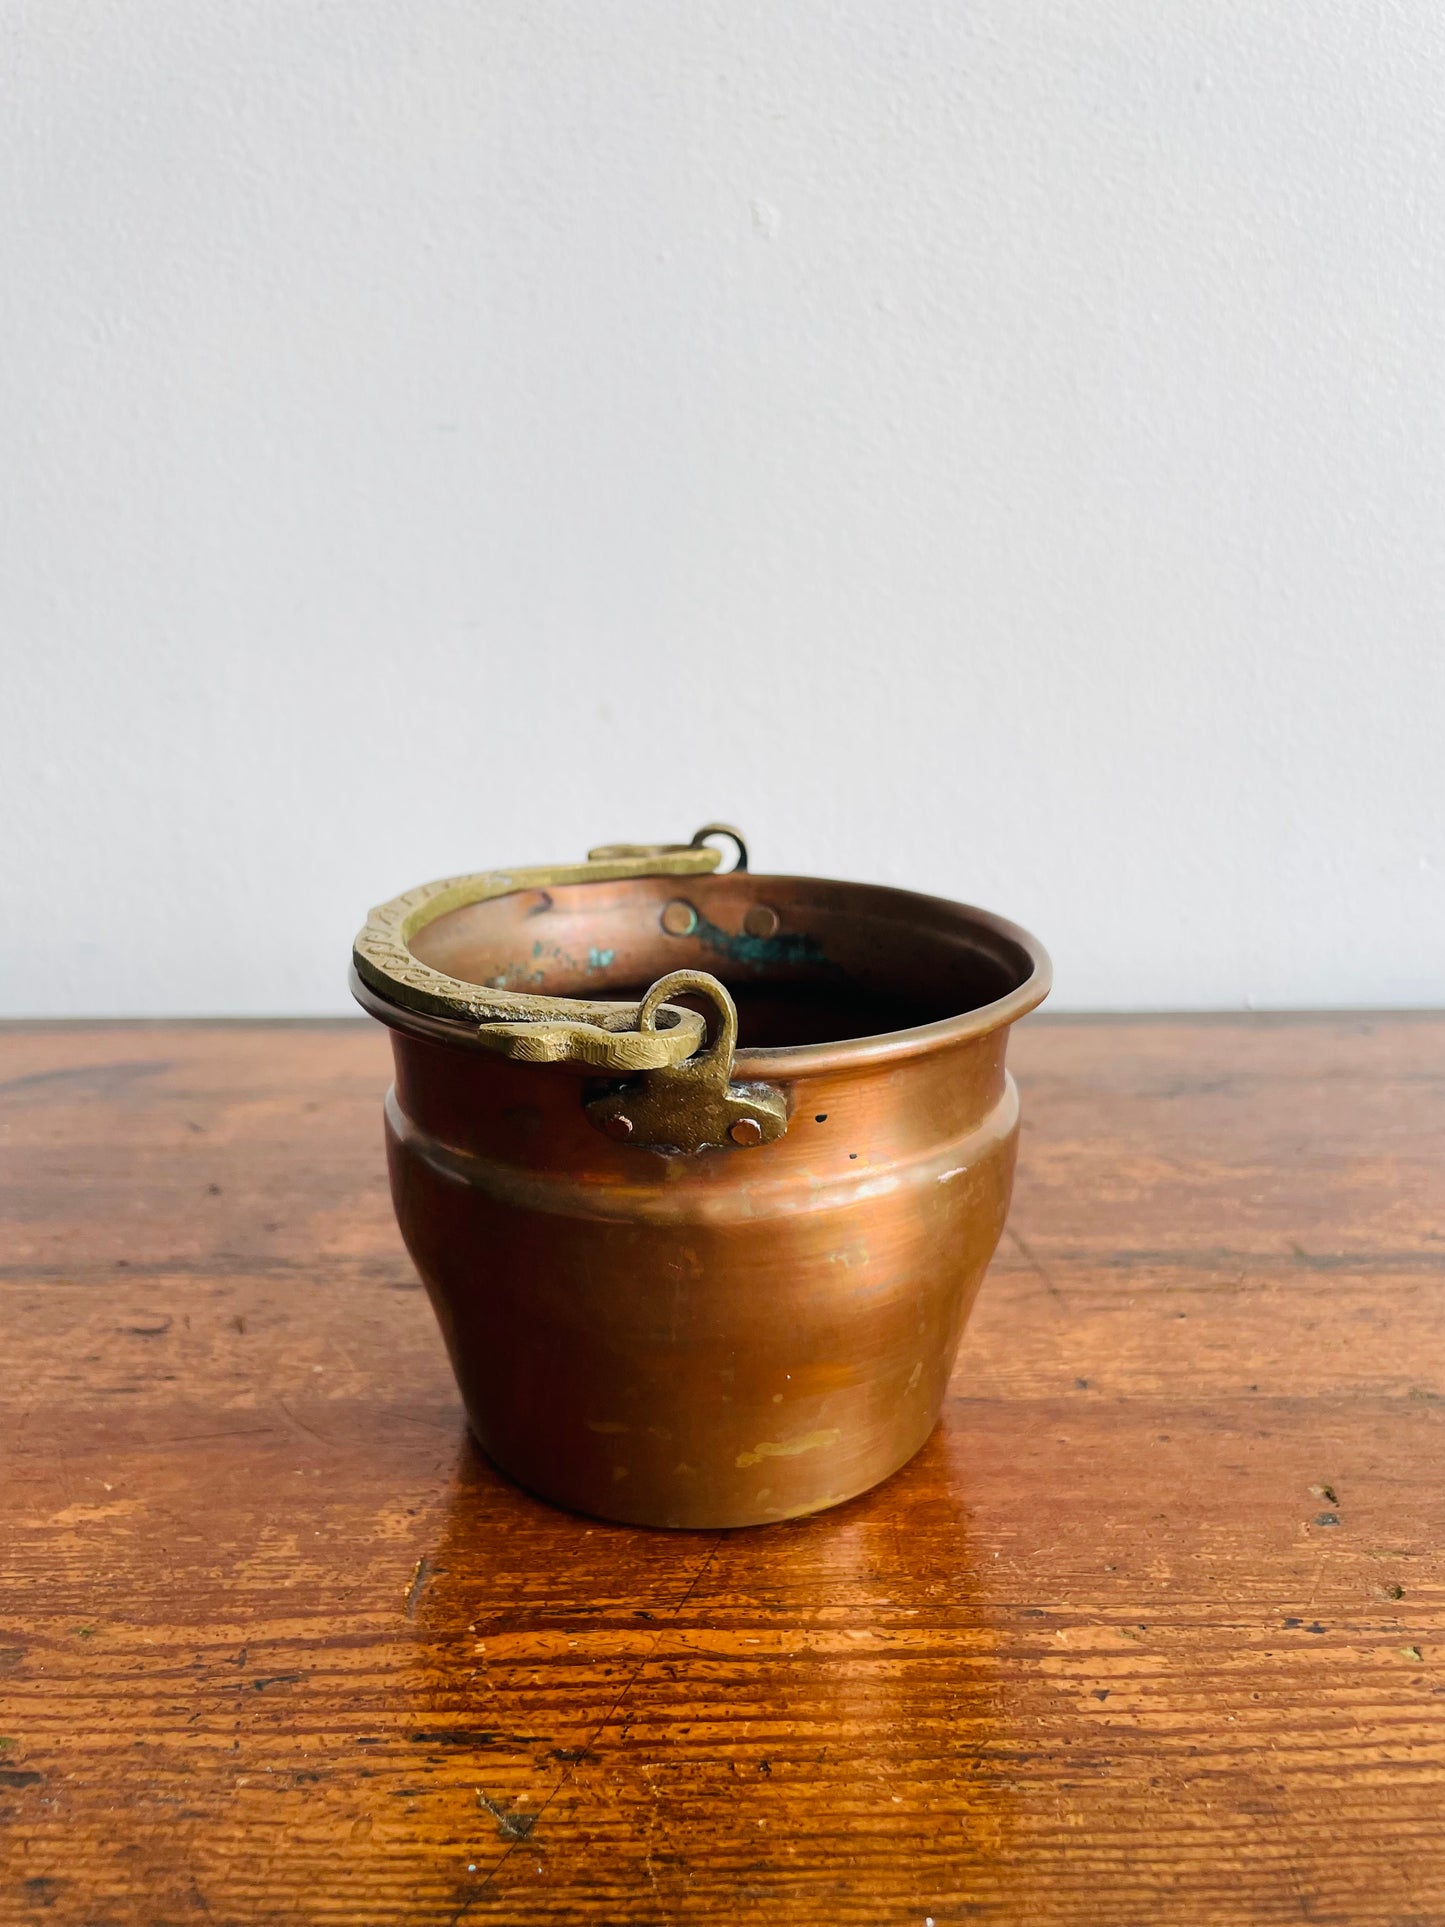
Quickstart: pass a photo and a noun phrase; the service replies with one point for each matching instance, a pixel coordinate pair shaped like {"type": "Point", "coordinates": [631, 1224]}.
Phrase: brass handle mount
{"type": "Point", "coordinates": [695, 1105]}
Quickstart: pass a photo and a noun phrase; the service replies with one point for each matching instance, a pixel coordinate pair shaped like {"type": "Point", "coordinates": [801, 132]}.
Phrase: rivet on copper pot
{"type": "Point", "coordinates": [747, 1130]}
{"type": "Point", "coordinates": [762, 920]}
{"type": "Point", "coordinates": [679, 919]}
{"type": "Point", "coordinates": [619, 1127]}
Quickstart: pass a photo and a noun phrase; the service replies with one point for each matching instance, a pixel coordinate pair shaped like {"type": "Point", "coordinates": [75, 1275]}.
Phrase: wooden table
{"type": "Point", "coordinates": [1150, 1632]}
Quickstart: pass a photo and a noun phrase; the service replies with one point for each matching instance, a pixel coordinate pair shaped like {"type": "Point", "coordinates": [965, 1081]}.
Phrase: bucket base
{"type": "Point", "coordinates": [722, 1521]}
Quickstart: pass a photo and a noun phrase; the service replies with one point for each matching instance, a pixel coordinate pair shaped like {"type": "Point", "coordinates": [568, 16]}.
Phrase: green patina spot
{"type": "Point", "coordinates": [758, 953]}
{"type": "Point", "coordinates": [513, 975]}
{"type": "Point", "coordinates": [599, 959]}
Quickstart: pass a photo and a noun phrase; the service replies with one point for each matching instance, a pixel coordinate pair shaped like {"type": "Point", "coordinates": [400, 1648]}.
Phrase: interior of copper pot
{"type": "Point", "coordinates": [807, 961]}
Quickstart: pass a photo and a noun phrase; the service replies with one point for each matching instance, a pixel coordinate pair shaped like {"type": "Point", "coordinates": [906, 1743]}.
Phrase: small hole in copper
{"type": "Point", "coordinates": [821, 1118]}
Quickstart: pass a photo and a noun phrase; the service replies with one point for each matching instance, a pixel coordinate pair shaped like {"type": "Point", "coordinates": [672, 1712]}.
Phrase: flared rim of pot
{"type": "Point", "coordinates": [893, 1045]}
{"type": "Point", "coordinates": [1011, 946]}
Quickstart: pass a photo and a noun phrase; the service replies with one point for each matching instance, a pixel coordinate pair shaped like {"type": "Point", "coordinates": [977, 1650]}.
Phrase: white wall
{"type": "Point", "coordinates": [997, 448]}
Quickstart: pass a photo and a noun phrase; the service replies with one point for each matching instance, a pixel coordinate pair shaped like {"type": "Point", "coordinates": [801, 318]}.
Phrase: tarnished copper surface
{"type": "Point", "coordinates": [734, 1335]}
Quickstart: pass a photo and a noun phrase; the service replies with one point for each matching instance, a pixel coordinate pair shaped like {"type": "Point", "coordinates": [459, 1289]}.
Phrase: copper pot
{"type": "Point", "coordinates": [693, 1280]}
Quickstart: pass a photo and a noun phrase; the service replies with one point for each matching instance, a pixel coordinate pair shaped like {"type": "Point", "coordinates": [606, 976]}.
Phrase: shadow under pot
{"type": "Point", "coordinates": [701, 1169]}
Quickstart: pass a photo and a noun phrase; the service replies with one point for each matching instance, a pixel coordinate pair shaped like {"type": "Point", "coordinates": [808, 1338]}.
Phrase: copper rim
{"type": "Point", "coordinates": [782, 1061]}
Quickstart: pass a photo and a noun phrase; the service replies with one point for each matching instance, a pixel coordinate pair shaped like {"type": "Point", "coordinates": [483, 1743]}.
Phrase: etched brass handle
{"type": "Point", "coordinates": [692, 1106]}
{"type": "Point", "coordinates": [612, 852]}
{"type": "Point", "coordinates": [514, 1023]}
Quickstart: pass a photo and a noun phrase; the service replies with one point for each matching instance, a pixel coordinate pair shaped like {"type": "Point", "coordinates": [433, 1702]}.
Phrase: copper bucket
{"type": "Point", "coordinates": [701, 1252]}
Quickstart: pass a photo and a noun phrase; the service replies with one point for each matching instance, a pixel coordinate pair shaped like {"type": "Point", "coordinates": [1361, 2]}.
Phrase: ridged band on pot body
{"type": "Point", "coordinates": [735, 1335]}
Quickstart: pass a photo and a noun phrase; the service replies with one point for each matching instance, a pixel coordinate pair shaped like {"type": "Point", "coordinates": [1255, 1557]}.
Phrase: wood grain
{"type": "Point", "coordinates": [1151, 1631]}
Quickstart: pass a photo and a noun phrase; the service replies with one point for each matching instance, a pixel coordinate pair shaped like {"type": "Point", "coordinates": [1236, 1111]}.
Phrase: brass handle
{"type": "Point", "coordinates": [692, 1106]}
{"type": "Point", "coordinates": [701, 836]}
{"type": "Point", "coordinates": [612, 852]}
{"type": "Point", "coordinates": [603, 1036]}
{"type": "Point", "coordinates": [717, 1059]}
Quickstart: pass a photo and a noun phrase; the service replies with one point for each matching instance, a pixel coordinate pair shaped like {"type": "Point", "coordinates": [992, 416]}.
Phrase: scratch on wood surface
{"type": "Point", "coordinates": [511, 1824]}
{"type": "Point", "coordinates": [422, 1572]}
{"type": "Point", "coordinates": [1040, 1269]}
